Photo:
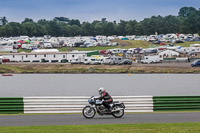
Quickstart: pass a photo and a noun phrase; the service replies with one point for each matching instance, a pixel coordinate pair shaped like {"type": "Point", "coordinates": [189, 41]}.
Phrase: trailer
{"type": "Point", "coordinates": [150, 59]}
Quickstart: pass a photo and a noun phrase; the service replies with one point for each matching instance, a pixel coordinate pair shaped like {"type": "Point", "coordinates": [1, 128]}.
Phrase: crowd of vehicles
{"type": "Point", "coordinates": [114, 60]}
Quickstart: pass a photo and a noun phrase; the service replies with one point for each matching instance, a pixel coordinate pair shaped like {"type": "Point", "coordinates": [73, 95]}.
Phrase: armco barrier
{"type": "Point", "coordinates": [76, 104]}
{"type": "Point", "coordinates": [176, 103]}
{"type": "Point", "coordinates": [11, 105]}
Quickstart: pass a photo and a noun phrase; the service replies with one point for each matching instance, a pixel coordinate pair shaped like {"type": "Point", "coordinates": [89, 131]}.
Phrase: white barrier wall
{"type": "Point", "coordinates": [75, 104]}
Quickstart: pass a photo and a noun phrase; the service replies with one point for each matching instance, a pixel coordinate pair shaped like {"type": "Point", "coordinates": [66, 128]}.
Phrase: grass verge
{"type": "Point", "coordinates": [114, 128]}
{"type": "Point", "coordinates": [67, 68]}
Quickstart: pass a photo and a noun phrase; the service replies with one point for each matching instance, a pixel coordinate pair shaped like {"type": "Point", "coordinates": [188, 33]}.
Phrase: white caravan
{"type": "Point", "coordinates": [150, 59]}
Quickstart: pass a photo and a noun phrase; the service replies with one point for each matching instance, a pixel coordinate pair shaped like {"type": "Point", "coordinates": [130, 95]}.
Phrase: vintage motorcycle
{"type": "Point", "coordinates": [96, 106]}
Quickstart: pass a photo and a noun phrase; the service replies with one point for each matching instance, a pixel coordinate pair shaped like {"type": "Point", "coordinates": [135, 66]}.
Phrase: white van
{"type": "Point", "coordinates": [150, 59]}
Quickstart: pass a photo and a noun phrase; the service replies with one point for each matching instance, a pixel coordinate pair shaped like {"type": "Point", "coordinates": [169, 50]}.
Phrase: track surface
{"type": "Point", "coordinates": [78, 119]}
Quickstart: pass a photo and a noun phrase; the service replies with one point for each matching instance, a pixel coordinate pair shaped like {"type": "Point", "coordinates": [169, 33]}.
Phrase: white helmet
{"type": "Point", "coordinates": [101, 90]}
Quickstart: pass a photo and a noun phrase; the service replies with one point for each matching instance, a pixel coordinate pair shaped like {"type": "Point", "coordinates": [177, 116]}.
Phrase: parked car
{"type": "Point", "coordinates": [126, 62]}
{"type": "Point", "coordinates": [102, 52]}
{"type": "Point", "coordinates": [5, 60]}
{"type": "Point", "coordinates": [75, 61]}
{"type": "Point", "coordinates": [195, 63]}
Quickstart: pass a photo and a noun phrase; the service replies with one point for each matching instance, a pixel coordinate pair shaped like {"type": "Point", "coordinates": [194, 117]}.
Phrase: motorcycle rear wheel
{"type": "Point", "coordinates": [118, 114]}
{"type": "Point", "coordinates": [88, 112]}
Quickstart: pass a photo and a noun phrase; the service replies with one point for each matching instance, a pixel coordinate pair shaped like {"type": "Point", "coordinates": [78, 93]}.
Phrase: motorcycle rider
{"type": "Point", "coordinates": [106, 97]}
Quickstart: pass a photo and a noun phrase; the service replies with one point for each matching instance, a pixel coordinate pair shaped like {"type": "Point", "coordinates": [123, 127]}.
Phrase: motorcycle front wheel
{"type": "Point", "coordinates": [119, 113]}
{"type": "Point", "coordinates": [88, 112]}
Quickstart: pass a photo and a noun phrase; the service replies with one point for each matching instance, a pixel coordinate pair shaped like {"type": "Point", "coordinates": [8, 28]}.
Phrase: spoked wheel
{"type": "Point", "coordinates": [88, 112]}
{"type": "Point", "coordinates": [119, 113]}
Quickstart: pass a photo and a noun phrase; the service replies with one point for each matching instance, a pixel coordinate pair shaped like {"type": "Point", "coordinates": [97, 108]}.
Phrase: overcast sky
{"type": "Point", "coordinates": [89, 10]}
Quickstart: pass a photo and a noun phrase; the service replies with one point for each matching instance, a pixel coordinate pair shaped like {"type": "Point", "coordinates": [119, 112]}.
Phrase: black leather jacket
{"type": "Point", "coordinates": [106, 97]}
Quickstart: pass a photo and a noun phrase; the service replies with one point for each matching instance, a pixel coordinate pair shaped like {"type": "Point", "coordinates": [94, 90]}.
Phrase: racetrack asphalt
{"type": "Point", "coordinates": [78, 119]}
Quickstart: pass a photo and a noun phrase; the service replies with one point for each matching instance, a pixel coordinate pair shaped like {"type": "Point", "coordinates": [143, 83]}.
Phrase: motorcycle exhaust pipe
{"type": "Point", "coordinates": [118, 109]}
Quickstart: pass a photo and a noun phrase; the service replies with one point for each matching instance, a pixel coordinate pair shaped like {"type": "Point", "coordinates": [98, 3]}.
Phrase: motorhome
{"type": "Point", "coordinates": [29, 46]}
{"type": "Point", "coordinates": [115, 60]}
{"type": "Point", "coordinates": [47, 45]}
{"type": "Point", "coordinates": [106, 60]}
{"type": "Point", "coordinates": [91, 61]}
{"type": "Point", "coordinates": [150, 59]}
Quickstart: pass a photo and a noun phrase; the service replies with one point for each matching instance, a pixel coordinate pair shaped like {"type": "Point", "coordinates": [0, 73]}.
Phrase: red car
{"type": "Point", "coordinates": [102, 52]}
{"type": "Point", "coordinates": [5, 60]}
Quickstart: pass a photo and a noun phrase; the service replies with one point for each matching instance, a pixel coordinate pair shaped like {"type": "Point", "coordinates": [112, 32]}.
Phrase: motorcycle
{"type": "Point", "coordinates": [96, 106]}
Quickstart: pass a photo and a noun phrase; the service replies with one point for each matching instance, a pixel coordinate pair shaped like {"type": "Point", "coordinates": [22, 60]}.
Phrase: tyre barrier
{"type": "Point", "coordinates": [75, 104]}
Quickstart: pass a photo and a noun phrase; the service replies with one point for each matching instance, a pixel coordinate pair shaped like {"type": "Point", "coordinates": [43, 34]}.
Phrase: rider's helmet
{"type": "Point", "coordinates": [101, 90]}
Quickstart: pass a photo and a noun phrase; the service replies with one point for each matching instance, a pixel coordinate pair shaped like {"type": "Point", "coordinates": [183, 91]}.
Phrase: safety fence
{"type": "Point", "coordinates": [75, 104]}
{"type": "Point", "coordinates": [176, 103]}
{"type": "Point", "coordinates": [11, 105]}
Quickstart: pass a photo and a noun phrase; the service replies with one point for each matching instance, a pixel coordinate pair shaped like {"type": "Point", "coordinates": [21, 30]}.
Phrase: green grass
{"type": "Point", "coordinates": [186, 44]}
{"type": "Point", "coordinates": [94, 48]}
{"type": "Point", "coordinates": [117, 128]}
{"type": "Point", "coordinates": [10, 69]}
{"type": "Point", "coordinates": [23, 50]}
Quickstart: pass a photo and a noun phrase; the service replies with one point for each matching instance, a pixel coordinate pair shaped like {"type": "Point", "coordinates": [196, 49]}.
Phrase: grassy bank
{"type": "Point", "coordinates": [68, 68]}
{"type": "Point", "coordinates": [117, 128]}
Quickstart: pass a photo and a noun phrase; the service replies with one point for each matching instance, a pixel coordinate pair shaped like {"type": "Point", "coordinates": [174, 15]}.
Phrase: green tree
{"type": "Point", "coordinates": [15, 28]}
{"type": "Point", "coordinates": [3, 20]}
{"type": "Point", "coordinates": [131, 27]}
{"type": "Point", "coordinates": [187, 11]}
{"type": "Point", "coordinates": [75, 29]}
{"type": "Point", "coordinates": [75, 22]}
{"type": "Point", "coordinates": [98, 29]}
{"type": "Point", "coordinates": [62, 19]}
{"type": "Point", "coordinates": [87, 29]}
{"type": "Point", "coordinates": [29, 28]}
{"type": "Point", "coordinates": [121, 28]}
{"type": "Point", "coordinates": [28, 20]}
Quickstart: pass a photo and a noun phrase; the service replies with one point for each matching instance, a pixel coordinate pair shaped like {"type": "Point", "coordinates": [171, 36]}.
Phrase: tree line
{"type": "Point", "coordinates": [187, 21]}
